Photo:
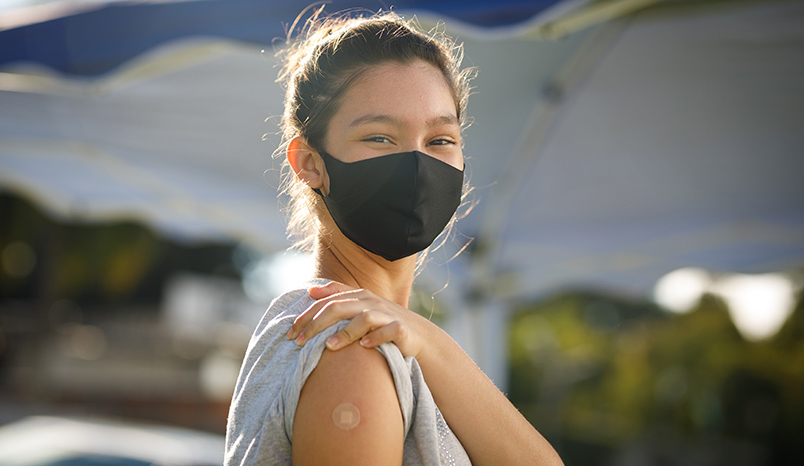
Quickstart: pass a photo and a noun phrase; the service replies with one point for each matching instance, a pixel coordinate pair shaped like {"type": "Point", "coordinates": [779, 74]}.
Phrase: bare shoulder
{"type": "Point", "coordinates": [348, 411]}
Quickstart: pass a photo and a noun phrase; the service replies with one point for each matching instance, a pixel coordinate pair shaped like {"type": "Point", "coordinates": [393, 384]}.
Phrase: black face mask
{"type": "Point", "coordinates": [394, 205]}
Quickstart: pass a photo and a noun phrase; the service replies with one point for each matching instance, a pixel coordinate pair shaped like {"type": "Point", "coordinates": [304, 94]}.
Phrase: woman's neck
{"type": "Point", "coordinates": [339, 259]}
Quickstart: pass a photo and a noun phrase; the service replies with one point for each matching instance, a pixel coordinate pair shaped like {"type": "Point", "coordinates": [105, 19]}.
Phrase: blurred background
{"type": "Point", "coordinates": [633, 254]}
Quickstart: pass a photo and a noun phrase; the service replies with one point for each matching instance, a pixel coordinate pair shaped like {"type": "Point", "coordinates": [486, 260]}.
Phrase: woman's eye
{"type": "Point", "coordinates": [380, 139]}
{"type": "Point", "coordinates": [440, 142]}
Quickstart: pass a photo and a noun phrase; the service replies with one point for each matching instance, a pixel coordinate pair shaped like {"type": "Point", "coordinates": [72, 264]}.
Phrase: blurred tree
{"type": "Point", "coordinates": [80, 302]}
{"type": "Point", "coordinates": [608, 380]}
{"type": "Point", "coordinates": [93, 263]}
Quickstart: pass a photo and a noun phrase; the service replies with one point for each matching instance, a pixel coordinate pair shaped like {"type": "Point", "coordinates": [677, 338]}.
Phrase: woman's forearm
{"type": "Point", "coordinates": [490, 428]}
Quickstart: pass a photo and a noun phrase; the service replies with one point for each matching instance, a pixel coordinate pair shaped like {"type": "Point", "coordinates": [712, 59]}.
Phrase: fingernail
{"type": "Point", "coordinates": [364, 341]}
{"type": "Point", "coordinates": [300, 340]}
{"type": "Point", "coordinates": [290, 334]}
{"type": "Point", "coordinates": [332, 342]}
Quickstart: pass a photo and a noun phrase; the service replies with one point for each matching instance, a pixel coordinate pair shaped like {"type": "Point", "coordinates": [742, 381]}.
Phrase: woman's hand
{"type": "Point", "coordinates": [374, 320]}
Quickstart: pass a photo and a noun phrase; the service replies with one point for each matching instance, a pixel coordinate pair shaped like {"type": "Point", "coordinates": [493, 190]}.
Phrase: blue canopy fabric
{"type": "Point", "coordinates": [97, 41]}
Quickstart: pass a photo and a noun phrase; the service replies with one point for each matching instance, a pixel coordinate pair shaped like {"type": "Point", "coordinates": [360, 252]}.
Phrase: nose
{"type": "Point", "coordinates": [414, 146]}
{"type": "Point", "coordinates": [454, 158]}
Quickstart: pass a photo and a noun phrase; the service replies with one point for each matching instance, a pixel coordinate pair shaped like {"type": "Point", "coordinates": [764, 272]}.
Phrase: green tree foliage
{"type": "Point", "coordinates": [613, 378]}
{"type": "Point", "coordinates": [103, 263]}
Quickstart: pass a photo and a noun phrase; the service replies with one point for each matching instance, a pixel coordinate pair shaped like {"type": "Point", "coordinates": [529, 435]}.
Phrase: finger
{"type": "Point", "coordinates": [331, 288]}
{"type": "Point", "coordinates": [331, 313]}
{"type": "Point", "coordinates": [392, 332]}
{"type": "Point", "coordinates": [304, 319]}
{"type": "Point", "coordinates": [318, 293]}
{"type": "Point", "coordinates": [365, 322]}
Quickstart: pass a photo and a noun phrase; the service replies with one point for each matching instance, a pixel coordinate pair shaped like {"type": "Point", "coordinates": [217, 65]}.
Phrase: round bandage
{"type": "Point", "coordinates": [345, 416]}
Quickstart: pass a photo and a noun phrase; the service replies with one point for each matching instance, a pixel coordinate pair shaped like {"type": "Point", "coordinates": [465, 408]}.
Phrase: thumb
{"type": "Point", "coordinates": [331, 288]}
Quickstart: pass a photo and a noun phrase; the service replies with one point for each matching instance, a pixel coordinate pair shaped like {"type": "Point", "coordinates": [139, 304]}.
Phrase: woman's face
{"type": "Point", "coordinates": [394, 108]}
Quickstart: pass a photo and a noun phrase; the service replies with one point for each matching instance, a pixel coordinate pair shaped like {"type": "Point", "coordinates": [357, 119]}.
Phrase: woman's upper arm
{"type": "Point", "coordinates": [348, 412]}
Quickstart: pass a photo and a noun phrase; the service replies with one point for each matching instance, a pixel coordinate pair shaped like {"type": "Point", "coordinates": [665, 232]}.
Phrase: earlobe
{"type": "Point", "coordinates": [306, 163]}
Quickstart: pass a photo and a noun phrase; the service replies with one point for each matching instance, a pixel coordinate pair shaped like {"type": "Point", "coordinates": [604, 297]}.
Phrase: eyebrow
{"type": "Point", "coordinates": [374, 118]}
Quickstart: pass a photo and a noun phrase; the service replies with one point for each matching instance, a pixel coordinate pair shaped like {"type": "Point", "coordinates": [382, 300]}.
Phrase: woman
{"type": "Point", "coordinates": [343, 372]}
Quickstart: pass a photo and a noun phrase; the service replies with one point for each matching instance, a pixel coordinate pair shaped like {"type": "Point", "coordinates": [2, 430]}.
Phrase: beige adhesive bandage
{"type": "Point", "coordinates": [345, 416]}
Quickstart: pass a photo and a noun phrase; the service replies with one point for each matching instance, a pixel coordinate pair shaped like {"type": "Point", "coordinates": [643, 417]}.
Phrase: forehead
{"type": "Point", "coordinates": [394, 87]}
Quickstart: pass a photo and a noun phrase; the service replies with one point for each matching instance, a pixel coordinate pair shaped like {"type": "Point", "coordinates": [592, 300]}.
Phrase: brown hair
{"type": "Point", "coordinates": [320, 65]}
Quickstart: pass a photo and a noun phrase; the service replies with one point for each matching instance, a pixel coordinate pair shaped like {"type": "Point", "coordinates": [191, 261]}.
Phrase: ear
{"type": "Point", "coordinates": [307, 164]}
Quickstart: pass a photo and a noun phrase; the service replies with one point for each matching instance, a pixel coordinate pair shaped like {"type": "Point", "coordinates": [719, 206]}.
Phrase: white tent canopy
{"type": "Point", "coordinates": [670, 140]}
{"type": "Point", "coordinates": [173, 139]}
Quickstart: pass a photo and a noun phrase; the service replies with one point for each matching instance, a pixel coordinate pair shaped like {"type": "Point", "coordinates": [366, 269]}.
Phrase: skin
{"type": "Point", "coordinates": [391, 108]}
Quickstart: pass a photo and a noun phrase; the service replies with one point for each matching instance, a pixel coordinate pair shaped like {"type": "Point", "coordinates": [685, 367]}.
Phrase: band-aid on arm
{"type": "Point", "coordinates": [346, 416]}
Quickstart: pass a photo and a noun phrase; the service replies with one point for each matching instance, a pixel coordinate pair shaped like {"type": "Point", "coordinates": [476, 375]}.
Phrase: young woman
{"type": "Point", "coordinates": [342, 372]}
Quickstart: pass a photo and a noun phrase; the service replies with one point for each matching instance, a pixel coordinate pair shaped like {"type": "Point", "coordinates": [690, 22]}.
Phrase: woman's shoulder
{"type": "Point", "coordinates": [271, 359]}
{"type": "Point", "coordinates": [294, 301]}
{"type": "Point", "coordinates": [350, 403]}
{"type": "Point", "coordinates": [286, 307]}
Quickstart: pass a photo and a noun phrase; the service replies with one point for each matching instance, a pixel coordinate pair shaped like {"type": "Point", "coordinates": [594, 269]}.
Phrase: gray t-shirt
{"type": "Point", "coordinates": [260, 425]}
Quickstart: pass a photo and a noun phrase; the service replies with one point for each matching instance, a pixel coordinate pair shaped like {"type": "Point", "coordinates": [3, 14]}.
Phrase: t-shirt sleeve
{"type": "Point", "coordinates": [310, 355]}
